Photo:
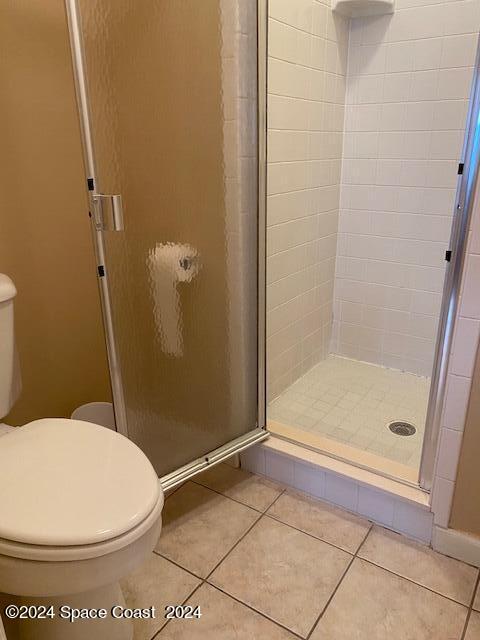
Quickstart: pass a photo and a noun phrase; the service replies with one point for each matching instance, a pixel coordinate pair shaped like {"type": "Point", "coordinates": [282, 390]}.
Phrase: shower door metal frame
{"type": "Point", "coordinates": [259, 433]}
{"type": "Point", "coordinates": [262, 49]}
{"type": "Point", "coordinates": [79, 74]}
{"type": "Point", "coordinates": [464, 200]}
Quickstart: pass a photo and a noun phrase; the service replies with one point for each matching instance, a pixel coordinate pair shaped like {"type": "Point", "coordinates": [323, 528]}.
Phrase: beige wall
{"type": "Point", "coordinates": [45, 243]}
{"type": "Point", "coordinates": [465, 514]}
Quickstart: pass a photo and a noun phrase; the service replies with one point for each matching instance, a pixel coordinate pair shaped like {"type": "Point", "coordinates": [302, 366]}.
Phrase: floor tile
{"type": "Point", "coordinates": [476, 602]}
{"type": "Point", "coordinates": [433, 570]}
{"type": "Point", "coordinates": [320, 520]}
{"type": "Point", "coordinates": [222, 619]}
{"type": "Point", "coordinates": [282, 573]}
{"type": "Point", "coordinates": [473, 629]}
{"type": "Point", "coordinates": [156, 583]}
{"type": "Point", "coordinates": [373, 604]}
{"type": "Point", "coordinates": [252, 490]}
{"type": "Point", "coordinates": [201, 526]}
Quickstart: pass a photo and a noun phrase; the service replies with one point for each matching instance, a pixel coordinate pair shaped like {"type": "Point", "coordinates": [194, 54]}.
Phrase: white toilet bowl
{"type": "Point", "coordinates": [80, 508]}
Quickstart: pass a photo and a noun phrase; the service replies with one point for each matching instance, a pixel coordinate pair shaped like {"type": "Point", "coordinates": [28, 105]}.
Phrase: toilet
{"type": "Point", "coordinates": [80, 508]}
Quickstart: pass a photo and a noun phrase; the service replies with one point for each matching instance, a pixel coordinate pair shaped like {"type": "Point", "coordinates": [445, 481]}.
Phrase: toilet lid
{"type": "Point", "coordinates": [69, 482]}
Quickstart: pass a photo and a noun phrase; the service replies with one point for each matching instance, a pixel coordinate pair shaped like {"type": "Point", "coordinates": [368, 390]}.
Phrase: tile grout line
{"type": "Point", "coordinates": [263, 615]}
{"type": "Point", "coordinates": [157, 633]}
{"type": "Point", "coordinates": [422, 586]}
{"type": "Point", "coordinates": [311, 535]}
{"type": "Point", "coordinates": [161, 555]}
{"type": "Point", "coordinates": [260, 516]}
{"type": "Point", "coordinates": [264, 513]}
{"type": "Point", "coordinates": [204, 580]}
{"type": "Point", "coordinates": [315, 624]}
{"type": "Point", "coordinates": [234, 499]}
{"type": "Point", "coordinates": [323, 501]}
{"type": "Point", "coordinates": [371, 562]}
{"type": "Point", "coordinates": [328, 602]}
{"type": "Point", "coordinates": [470, 608]}
{"type": "Point", "coordinates": [355, 555]}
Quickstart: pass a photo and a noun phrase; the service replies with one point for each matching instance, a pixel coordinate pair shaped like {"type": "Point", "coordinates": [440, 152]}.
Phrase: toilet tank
{"type": "Point", "coordinates": [10, 384]}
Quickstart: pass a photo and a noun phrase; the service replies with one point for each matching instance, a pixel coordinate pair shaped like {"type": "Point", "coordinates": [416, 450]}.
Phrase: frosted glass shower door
{"type": "Point", "coordinates": [168, 102]}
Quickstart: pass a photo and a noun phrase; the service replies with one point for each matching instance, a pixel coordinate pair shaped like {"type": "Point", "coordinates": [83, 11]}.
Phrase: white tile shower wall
{"type": "Point", "coordinates": [306, 100]}
{"type": "Point", "coordinates": [459, 377]}
{"type": "Point", "coordinates": [408, 83]}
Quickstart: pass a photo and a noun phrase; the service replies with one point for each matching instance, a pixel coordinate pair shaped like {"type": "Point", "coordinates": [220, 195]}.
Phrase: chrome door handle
{"type": "Point", "coordinates": [108, 212]}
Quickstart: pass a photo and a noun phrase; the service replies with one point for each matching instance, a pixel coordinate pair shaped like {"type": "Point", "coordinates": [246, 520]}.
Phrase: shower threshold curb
{"type": "Point", "coordinates": [343, 452]}
{"type": "Point", "coordinates": [391, 503]}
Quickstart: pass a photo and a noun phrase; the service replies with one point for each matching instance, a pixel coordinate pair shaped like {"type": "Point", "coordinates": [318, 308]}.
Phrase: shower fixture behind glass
{"type": "Point", "coordinates": [170, 109]}
{"type": "Point", "coordinates": [365, 125]}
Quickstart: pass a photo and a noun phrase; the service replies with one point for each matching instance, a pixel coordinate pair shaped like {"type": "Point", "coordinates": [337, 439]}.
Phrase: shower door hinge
{"type": "Point", "coordinates": [460, 169]}
{"type": "Point", "coordinates": [448, 255]}
{"type": "Point", "coordinates": [101, 271]}
{"type": "Point", "coordinates": [108, 212]}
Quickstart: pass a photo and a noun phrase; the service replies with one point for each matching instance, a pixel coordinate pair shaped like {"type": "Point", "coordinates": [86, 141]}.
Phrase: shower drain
{"type": "Point", "coordinates": [401, 428]}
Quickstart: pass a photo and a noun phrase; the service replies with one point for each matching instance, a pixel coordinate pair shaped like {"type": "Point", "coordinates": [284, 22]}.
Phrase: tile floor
{"type": "Point", "coordinates": [352, 402]}
{"type": "Point", "coordinates": [265, 562]}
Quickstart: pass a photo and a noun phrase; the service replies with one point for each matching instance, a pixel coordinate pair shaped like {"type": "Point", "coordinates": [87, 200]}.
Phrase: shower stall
{"type": "Point", "coordinates": [313, 294]}
{"type": "Point", "coordinates": [366, 125]}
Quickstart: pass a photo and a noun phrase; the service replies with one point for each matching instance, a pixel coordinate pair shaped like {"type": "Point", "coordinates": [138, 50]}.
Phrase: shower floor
{"type": "Point", "coordinates": [352, 402]}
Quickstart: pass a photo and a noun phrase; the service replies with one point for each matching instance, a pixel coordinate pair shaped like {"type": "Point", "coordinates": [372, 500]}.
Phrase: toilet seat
{"type": "Point", "coordinates": [71, 490]}
{"type": "Point", "coordinates": [46, 553]}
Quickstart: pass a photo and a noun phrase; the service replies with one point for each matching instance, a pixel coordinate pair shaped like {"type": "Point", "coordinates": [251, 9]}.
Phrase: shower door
{"type": "Point", "coordinates": [168, 104]}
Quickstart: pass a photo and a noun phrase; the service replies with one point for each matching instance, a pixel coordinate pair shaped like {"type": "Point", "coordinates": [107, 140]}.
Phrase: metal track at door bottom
{"type": "Point", "coordinates": [172, 480]}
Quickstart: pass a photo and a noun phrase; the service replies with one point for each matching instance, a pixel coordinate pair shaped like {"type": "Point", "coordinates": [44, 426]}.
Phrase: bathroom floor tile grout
{"type": "Point", "coordinates": [311, 535]}
{"type": "Point", "coordinates": [252, 608]}
{"type": "Point", "coordinates": [354, 555]}
{"type": "Point", "coordinates": [157, 553]}
{"type": "Point", "coordinates": [422, 586]}
{"type": "Point", "coordinates": [264, 513]}
{"type": "Point", "coordinates": [399, 575]}
{"type": "Point", "coordinates": [236, 499]}
{"type": "Point", "coordinates": [477, 588]}
{"type": "Point", "coordinates": [267, 509]}
{"type": "Point", "coordinates": [261, 514]}
{"type": "Point", "coordinates": [332, 544]}
{"type": "Point", "coordinates": [205, 580]}
{"type": "Point", "coordinates": [184, 601]}
{"type": "Point", "coordinates": [470, 608]}
{"type": "Point", "coordinates": [338, 584]}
